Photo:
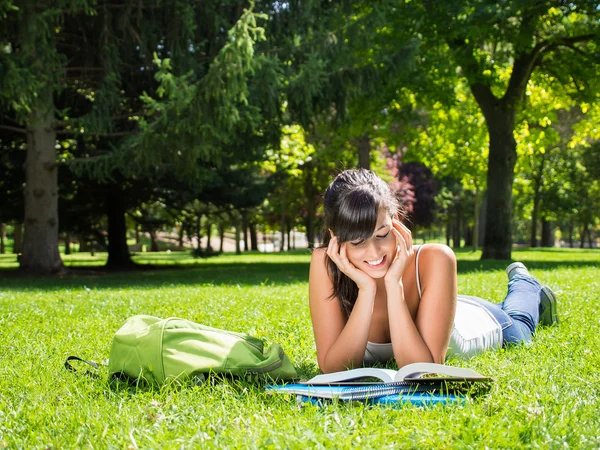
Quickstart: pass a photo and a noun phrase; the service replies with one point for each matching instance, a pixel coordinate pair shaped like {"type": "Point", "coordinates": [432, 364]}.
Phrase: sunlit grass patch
{"type": "Point", "coordinates": [544, 395]}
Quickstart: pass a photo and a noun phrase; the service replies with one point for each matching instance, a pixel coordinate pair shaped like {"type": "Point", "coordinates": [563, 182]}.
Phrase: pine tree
{"type": "Point", "coordinates": [137, 87]}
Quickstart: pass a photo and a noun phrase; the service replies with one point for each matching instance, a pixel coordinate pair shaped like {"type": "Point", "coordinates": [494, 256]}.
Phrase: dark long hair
{"type": "Point", "coordinates": [352, 204]}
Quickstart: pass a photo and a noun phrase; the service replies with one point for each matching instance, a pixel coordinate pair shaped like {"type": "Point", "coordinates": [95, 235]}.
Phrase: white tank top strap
{"type": "Point", "coordinates": [417, 270]}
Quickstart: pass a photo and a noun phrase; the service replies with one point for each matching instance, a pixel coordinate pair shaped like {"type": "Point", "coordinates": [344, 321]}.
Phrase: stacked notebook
{"type": "Point", "coordinates": [418, 383]}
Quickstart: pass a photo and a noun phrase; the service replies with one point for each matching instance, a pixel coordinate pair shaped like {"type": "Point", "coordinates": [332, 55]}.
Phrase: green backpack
{"type": "Point", "coordinates": [158, 350]}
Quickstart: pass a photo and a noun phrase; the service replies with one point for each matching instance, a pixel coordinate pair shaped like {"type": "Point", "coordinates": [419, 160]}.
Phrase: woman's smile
{"type": "Point", "coordinates": [377, 263]}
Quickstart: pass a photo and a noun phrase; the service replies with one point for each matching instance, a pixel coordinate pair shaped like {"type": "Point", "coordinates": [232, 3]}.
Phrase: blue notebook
{"type": "Point", "coordinates": [406, 385]}
{"type": "Point", "coordinates": [351, 391]}
{"type": "Point", "coordinates": [423, 399]}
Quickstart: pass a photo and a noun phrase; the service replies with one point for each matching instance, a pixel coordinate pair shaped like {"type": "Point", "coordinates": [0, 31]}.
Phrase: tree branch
{"type": "Point", "coordinates": [87, 159]}
{"type": "Point", "coordinates": [10, 119]}
{"type": "Point", "coordinates": [524, 61]}
{"type": "Point", "coordinates": [548, 46]}
{"type": "Point", "coordinates": [576, 50]}
{"type": "Point", "coordinates": [472, 71]}
{"type": "Point", "coordinates": [117, 117]}
{"type": "Point", "coordinates": [521, 72]}
{"type": "Point", "coordinates": [84, 69]}
{"type": "Point", "coordinates": [13, 129]}
{"type": "Point", "coordinates": [115, 134]}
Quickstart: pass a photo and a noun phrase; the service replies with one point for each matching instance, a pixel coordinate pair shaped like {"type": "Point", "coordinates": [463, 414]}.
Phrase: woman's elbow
{"type": "Point", "coordinates": [328, 366]}
{"type": "Point", "coordinates": [324, 367]}
{"type": "Point", "coordinates": [440, 358]}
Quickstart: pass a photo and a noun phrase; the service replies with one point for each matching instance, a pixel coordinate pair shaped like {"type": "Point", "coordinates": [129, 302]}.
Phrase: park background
{"type": "Point", "coordinates": [169, 158]}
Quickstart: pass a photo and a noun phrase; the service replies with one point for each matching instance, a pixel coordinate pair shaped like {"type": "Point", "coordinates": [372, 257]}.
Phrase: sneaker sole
{"type": "Point", "coordinates": [548, 305]}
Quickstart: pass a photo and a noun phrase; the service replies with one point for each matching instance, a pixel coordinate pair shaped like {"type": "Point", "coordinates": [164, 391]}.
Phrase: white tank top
{"type": "Point", "coordinates": [475, 329]}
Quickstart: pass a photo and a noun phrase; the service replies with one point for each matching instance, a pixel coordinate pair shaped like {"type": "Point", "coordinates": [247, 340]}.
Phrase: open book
{"type": "Point", "coordinates": [409, 383]}
{"type": "Point", "coordinates": [410, 372]}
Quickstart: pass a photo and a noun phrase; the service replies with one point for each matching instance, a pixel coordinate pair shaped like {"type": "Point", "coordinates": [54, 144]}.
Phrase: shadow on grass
{"type": "Point", "coordinates": [154, 276]}
{"type": "Point", "coordinates": [491, 266]}
{"type": "Point", "coordinates": [255, 273]}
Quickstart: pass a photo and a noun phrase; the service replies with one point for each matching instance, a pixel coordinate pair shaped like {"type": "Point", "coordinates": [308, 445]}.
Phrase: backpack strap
{"type": "Point", "coordinates": [69, 367]}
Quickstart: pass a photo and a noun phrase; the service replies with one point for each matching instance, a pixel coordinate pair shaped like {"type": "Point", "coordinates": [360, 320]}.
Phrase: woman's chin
{"type": "Point", "coordinates": [378, 275]}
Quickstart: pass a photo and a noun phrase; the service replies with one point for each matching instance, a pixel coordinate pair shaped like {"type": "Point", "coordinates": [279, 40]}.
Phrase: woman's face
{"type": "Point", "coordinates": [375, 254]}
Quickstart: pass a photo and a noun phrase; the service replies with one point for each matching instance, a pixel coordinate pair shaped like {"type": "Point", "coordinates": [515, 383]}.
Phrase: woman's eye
{"type": "Point", "coordinates": [357, 243]}
{"type": "Point", "coordinates": [384, 236]}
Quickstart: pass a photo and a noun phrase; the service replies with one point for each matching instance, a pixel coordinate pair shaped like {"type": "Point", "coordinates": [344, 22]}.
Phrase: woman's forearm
{"type": "Point", "coordinates": [348, 351]}
{"type": "Point", "coordinates": [407, 342]}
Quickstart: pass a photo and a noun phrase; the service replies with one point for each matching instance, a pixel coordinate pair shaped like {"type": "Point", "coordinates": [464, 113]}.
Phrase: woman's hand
{"type": "Point", "coordinates": [337, 254]}
{"type": "Point", "coordinates": [404, 253]}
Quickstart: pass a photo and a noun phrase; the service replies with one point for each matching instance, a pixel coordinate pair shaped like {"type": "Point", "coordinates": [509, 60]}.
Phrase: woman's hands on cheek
{"type": "Point", "coordinates": [338, 255]}
{"type": "Point", "coordinates": [404, 252]}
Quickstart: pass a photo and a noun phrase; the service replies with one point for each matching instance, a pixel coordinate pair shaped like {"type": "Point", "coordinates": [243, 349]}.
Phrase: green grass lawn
{"type": "Point", "coordinates": [545, 395]}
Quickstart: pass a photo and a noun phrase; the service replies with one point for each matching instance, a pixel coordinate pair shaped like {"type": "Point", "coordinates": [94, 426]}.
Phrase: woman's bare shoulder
{"type": "Point", "coordinates": [319, 256]}
{"type": "Point", "coordinates": [435, 258]}
{"type": "Point", "coordinates": [319, 274]}
{"type": "Point", "coordinates": [435, 253]}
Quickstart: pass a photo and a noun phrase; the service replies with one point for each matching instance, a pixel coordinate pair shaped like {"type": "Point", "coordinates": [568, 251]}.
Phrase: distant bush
{"type": "Point", "coordinates": [204, 253]}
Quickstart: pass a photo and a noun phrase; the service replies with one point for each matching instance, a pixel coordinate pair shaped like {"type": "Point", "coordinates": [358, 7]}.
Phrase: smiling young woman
{"type": "Point", "coordinates": [374, 296]}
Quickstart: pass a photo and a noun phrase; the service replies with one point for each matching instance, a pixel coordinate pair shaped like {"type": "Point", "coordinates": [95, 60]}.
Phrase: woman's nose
{"type": "Point", "coordinates": [373, 248]}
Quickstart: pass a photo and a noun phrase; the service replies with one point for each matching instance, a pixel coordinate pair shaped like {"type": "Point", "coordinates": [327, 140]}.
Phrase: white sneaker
{"type": "Point", "coordinates": [516, 268]}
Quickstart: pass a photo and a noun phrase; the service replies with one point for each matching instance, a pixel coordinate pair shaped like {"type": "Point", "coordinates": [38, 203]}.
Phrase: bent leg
{"type": "Point", "coordinates": [521, 304]}
{"type": "Point", "coordinates": [518, 314]}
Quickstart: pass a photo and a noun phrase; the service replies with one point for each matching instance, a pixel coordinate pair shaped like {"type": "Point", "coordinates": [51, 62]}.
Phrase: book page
{"type": "Point", "coordinates": [417, 370]}
{"type": "Point", "coordinates": [385, 375]}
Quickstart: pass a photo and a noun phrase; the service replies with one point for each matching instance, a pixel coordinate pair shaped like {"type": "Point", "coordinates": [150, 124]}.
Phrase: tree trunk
{"type": "Point", "coordinates": [40, 239]}
{"type": "Point", "coordinates": [179, 236]}
{"type": "Point", "coordinates": [245, 230]}
{"type": "Point", "coordinates": [571, 227]}
{"type": "Point", "coordinates": [482, 218]}
{"type": "Point", "coordinates": [476, 220]}
{"type": "Point", "coordinates": [238, 250]}
{"type": "Point", "coordinates": [311, 210]}
{"type": "Point", "coordinates": [253, 236]}
{"type": "Point", "coordinates": [137, 234]}
{"type": "Point", "coordinates": [590, 240]}
{"type": "Point", "coordinates": [198, 231]}
{"type": "Point", "coordinates": [153, 241]}
{"type": "Point", "coordinates": [208, 235]}
{"type": "Point", "coordinates": [221, 236]}
{"type": "Point", "coordinates": [17, 238]}
{"type": "Point", "coordinates": [364, 152]}
{"type": "Point", "coordinates": [456, 238]}
{"type": "Point", "coordinates": [118, 252]}
{"type": "Point", "coordinates": [2, 238]}
{"type": "Point", "coordinates": [289, 231]}
{"type": "Point", "coordinates": [582, 235]}
{"type": "Point", "coordinates": [468, 235]}
{"type": "Point", "coordinates": [500, 176]}
{"type": "Point", "coordinates": [67, 244]}
{"type": "Point", "coordinates": [547, 233]}
{"type": "Point", "coordinates": [533, 230]}
{"type": "Point", "coordinates": [537, 189]}
{"type": "Point", "coordinates": [500, 118]}
{"type": "Point", "coordinates": [448, 232]}
{"type": "Point", "coordinates": [282, 225]}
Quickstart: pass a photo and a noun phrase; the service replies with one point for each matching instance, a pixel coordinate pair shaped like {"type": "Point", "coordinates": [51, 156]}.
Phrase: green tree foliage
{"type": "Point", "coordinates": [486, 39]}
{"type": "Point", "coordinates": [453, 142]}
{"type": "Point", "coordinates": [80, 70]}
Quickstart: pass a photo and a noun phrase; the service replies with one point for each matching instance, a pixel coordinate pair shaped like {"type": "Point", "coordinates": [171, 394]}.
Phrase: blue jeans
{"type": "Point", "coordinates": [518, 314]}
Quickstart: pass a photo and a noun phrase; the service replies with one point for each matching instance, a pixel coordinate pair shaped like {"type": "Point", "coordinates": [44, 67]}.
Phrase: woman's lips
{"type": "Point", "coordinates": [377, 266]}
